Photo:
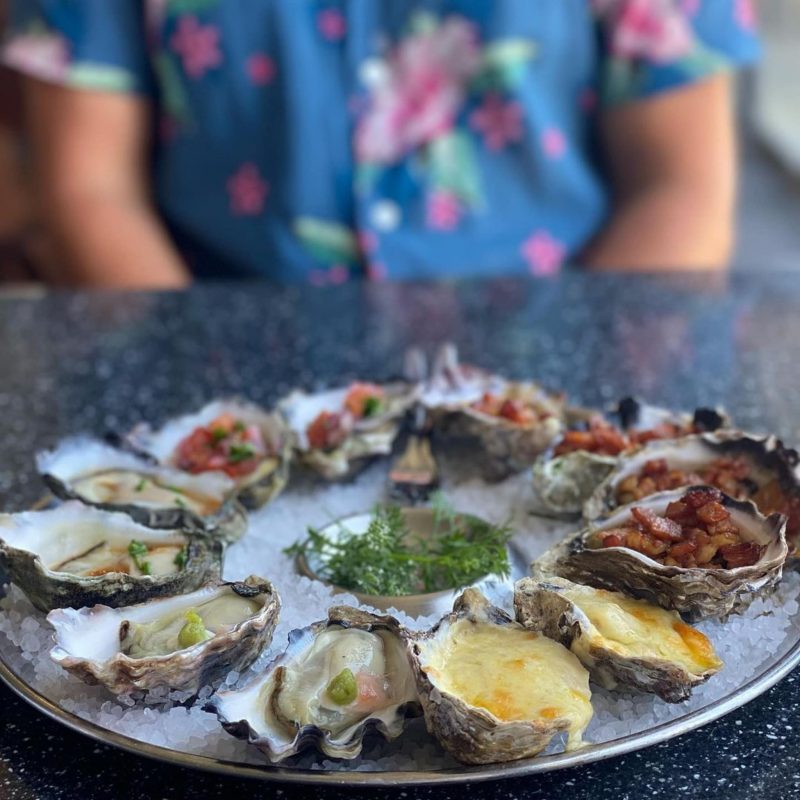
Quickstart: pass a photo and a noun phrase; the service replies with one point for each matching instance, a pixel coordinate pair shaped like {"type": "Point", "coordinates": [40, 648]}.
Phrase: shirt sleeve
{"type": "Point", "coordinates": [90, 44]}
{"type": "Point", "coordinates": [653, 46]}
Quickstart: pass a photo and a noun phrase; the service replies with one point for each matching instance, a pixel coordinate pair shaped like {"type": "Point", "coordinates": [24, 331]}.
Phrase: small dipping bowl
{"type": "Point", "coordinates": [421, 524]}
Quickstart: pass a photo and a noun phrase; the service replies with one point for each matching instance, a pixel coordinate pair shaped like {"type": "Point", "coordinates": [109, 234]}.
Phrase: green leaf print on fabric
{"type": "Point", "coordinates": [328, 242]}
{"type": "Point", "coordinates": [504, 64]}
{"type": "Point", "coordinates": [621, 81]}
{"type": "Point", "coordinates": [86, 75]}
{"type": "Point", "coordinates": [175, 7]}
{"type": "Point", "coordinates": [173, 96]}
{"type": "Point", "coordinates": [453, 167]}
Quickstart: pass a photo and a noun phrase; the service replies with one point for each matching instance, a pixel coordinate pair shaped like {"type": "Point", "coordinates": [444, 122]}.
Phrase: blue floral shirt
{"type": "Point", "coordinates": [325, 140]}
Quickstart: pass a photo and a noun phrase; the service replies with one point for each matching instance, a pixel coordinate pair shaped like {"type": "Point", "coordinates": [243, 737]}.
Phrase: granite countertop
{"type": "Point", "coordinates": [73, 362]}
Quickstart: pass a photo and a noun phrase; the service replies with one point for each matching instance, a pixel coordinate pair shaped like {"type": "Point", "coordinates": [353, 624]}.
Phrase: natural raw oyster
{"type": "Point", "coordinates": [158, 497]}
{"type": "Point", "coordinates": [492, 690]}
{"type": "Point", "coordinates": [512, 422]}
{"type": "Point", "coordinates": [338, 431]}
{"type": "Point", "coordinates": [758, 468]}
{"type": "Point", "coordinates": [697, 592]}
{"type": "Point", "coordinates": [623, 642]}
{"type": "Point", "coordinates": [183, 642]}
{"type": "Point", "coordinates": [232, 436]}
{"type": "Point", "coordinates": [566, 476]}
{"type": "Point", "coordinates": [74, 555]}
{"type": "Point", "coordinates": [338, 680]}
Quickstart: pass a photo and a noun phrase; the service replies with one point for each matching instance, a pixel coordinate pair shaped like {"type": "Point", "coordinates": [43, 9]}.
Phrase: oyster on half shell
{"type": "Point", "coordinates": [258, 464]}
{"type": "Point", "coordinates": [493, 691]}
{"type": "Point", "coordinates": [696, 592]}
{"type": "Point", "coordinates": [338, 680]}
{"type": "Point", "coordinates": [623, 642]}
{"type": "Point", "coordinates": [159, 497]}
{"type": "Point", "coordinates": [182, 642]}
{"type": "Point", "coordinates": [74, 555]}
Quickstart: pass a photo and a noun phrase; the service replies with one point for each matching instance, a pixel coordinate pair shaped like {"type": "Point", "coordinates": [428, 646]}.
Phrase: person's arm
{"type": "Point", "coordinates": [671, 160]}
{"type": "Point", "coordinates": [91, 151]}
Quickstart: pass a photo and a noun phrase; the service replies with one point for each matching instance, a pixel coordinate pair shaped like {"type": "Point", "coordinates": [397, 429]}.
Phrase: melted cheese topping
{"type": "Point", "coordinates": [514, 674]}
{"type": "Point", "coordinates": [636, 629]}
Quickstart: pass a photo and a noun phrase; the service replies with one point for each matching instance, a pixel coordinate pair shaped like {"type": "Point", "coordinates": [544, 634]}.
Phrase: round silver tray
{"type": "Point", "coordinates": [770, 674]}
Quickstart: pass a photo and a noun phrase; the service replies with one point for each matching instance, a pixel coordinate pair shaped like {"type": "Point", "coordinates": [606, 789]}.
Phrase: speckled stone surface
{"type": "Point", "coordinates": [72, 363]}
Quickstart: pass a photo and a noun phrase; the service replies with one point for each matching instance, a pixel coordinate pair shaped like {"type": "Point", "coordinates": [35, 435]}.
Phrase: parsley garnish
{"type": "Point", "coordinates": [373, 406]}
{"type": "Point", "coordinates": [218, 434]}
{"type": "Point", "coordinates": [239, 426]}
{"type": "Point", "coordinates": [140, 486]}
{"type": "Point", "coordinates": [388, 560]}
{"type": "Point", "coordinates": [180, 558]}
{"type": "Point", "coordinates": [241, 452]}
{"type": "Point", "coordinates": [137, 551]}
{"type": "Point", "coordinates": [180, 503]}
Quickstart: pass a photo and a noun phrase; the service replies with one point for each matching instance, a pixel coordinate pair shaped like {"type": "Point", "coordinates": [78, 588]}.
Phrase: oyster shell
{"type": "Point", "coordinates": [289, 707]}
{"type": "Point", "coordinates": [460, 400]}
{"type": "Point", "coordinates": [365, 437]}
{"type": "Point", "coordinates": [771, 476]}
{"type": "Point", "coordinates": [142, 646]}
{"type": "Point", "coordinates": [254, 488]}
{"type": "Point", "coordinates": [158, 497]}
{"type": "Point", "coordinates": [622, 642]}
{"type": "Point", "coordinates": [694, 591]}
{"type": "Point", "coordinates": [493, 691]}
{"type": "Point", "coordinates": [75, 555]}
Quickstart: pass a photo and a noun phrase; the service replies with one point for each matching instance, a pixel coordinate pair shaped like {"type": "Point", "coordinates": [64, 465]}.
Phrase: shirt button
{"type": "Point", "coordinates": [385, 216]}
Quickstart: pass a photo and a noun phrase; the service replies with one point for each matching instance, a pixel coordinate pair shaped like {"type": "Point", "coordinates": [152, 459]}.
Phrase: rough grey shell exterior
{"type": "Point", "coordinates": [698, 593]}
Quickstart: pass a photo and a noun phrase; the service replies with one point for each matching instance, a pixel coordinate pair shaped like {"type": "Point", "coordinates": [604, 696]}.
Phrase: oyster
{"type": "Point", "coordinates": [338, 431]}
{"type": "Point", "coordinates": [565, 477]}
{"type": "Point", "coordinates": [622, 642]}
{"type": "Point", "coordinates": [753, 562]}
{"type": "Point", "coordinates": [338, 680]}
{"type": "Point", "coordinates": [158, 497]}
{"type": "Point", "coordinates": [181, 642]}
{"type": "Point", "coordinates": [512, 422]}
{"type": "Point", "coordinates": [249, 444]}
{"type": "Point", "coordinates": [758, 468]}
{"type": "Point", "coordinates": [492, 690]}
{"type": "Point", "coordinates": [74, 555]}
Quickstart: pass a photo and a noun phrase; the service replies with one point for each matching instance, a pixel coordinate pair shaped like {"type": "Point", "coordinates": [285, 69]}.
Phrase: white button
{"type": "Point", "coordinates": [385, 216]}
{"type": "Point", "coordinates": [374, 73]}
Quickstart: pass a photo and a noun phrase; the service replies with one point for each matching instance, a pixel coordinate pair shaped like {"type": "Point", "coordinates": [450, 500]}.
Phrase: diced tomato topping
{"type": "Point", "coordinates": [328, 430]}
{"type": "Point", "coordinates": [364, 400]}
{"type": "Point", "coordinates": [226, 444]}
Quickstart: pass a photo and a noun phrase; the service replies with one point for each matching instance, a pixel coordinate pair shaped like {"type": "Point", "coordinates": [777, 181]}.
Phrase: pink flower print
{"type": "Point", "coordinates": [377, 271]}
{"type": "Point", "coordinates": [248, 191]}
{"type": "Point", "coordinates": [332, 24]}
{"type": "Point", "coordinates": [197, 45]}
{"type": "Point", "coordinates": [337, 274]}
{"type": "Point", "coordinates": [44, 55]}
{"type": "Point", "coordinates": [690, 7]}
{"type": "Point", "coordinates": [498, 121]}
{"type": "Point", "coordinates": [444, 211]}
{"type": "Point", "coordinates": [656, 30]}
{"type": "Point", "coordinates": [419, 93]}
{"type": "Point", "coordinates": [745, 14]}
{"type": "Point", "coordinates": [554, 143]}
{"type": "Point", "coordinates": [544, 254]}
{"type": "Point", "coordinates": [260, 69]}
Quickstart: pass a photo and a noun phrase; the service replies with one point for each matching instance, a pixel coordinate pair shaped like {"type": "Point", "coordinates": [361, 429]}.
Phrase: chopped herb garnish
{"type": "Point", "coordinates": [180, 503]}
{"type": "Point", "coordinates": [175, 489]}
{"type": "Point", "coordinates": [180, 558]}
{"type": "Point", "coordinates": [140, 486]}
{"type": "Point", "coordinates": [218, 434]}
{"type": "Point", "coordinates": [373, 406]}
{"type": "Point", "coordinates": [241, 452]}
{"type": "Point", "coordinates": [239, 426]}
{"type": "Point", "coordinates": [138, 551]}
{"type": "Point", "coordinates": [387, 559]}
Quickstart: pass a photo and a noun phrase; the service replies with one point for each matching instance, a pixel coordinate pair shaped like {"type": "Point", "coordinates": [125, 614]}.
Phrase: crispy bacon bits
{"type": "Point", "coordinates": [511, 409]}
{"type": "Point", "coordinates": [695, 531]}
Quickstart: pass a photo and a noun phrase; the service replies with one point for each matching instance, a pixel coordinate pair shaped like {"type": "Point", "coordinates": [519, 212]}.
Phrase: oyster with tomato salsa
{"type": "Point", "coordinates": [565, 477]}
{"type": "Point", "coordinates": [694, 550]}
{"type": "Point", "coordinates": [338, 680]}
{"type": "Point", "coordinates": [624, 643]}
{"type": "Point", "coordinates": [238, 439]}
{"type": "Point", "coordinates": [158, 497]}
{"type": "Point", "coordinates": [511, 423]}
{"type": "Point", "coordinates": [338, 431]}
{"type": "Point", "coordinates": [757, 468]}
{"type": "Point", "coordinates": [75, 555]}
{"type": "Point", "coordinates": [493, 691]}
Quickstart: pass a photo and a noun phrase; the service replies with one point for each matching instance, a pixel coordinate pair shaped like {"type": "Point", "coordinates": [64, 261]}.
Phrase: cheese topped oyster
{"type": "Point", "coordinates": [75, 555]}
{"type": "Point", "coordinates": [337, 681]}
{"type": "Point", "coordinates": [183, 642]}
{"type": "Point", "coordinates": [159, 497]}
{"type": "Point", "coordinates": [510, 422]}
{"type": "Point", "coordinates": [233, 437]}
{"type": "Point", "coordinates": [696, 551]}
{"type": "Point", "coordinates": [623, 642]}
{"type": "Point", "coordinates": [566, 476]}
{"type": "Point", "coordinates": [337, 432]}
{"type": "Point", "coordinates": [493, 691]}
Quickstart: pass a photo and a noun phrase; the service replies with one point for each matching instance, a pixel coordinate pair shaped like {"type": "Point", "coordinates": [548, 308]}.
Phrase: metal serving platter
{"type": "Point", "coordinates": [771, 672]}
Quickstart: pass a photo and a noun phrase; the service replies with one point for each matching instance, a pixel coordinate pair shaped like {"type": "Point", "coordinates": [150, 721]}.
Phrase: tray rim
{"type": "Point", "coordinates": [757, 685]}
